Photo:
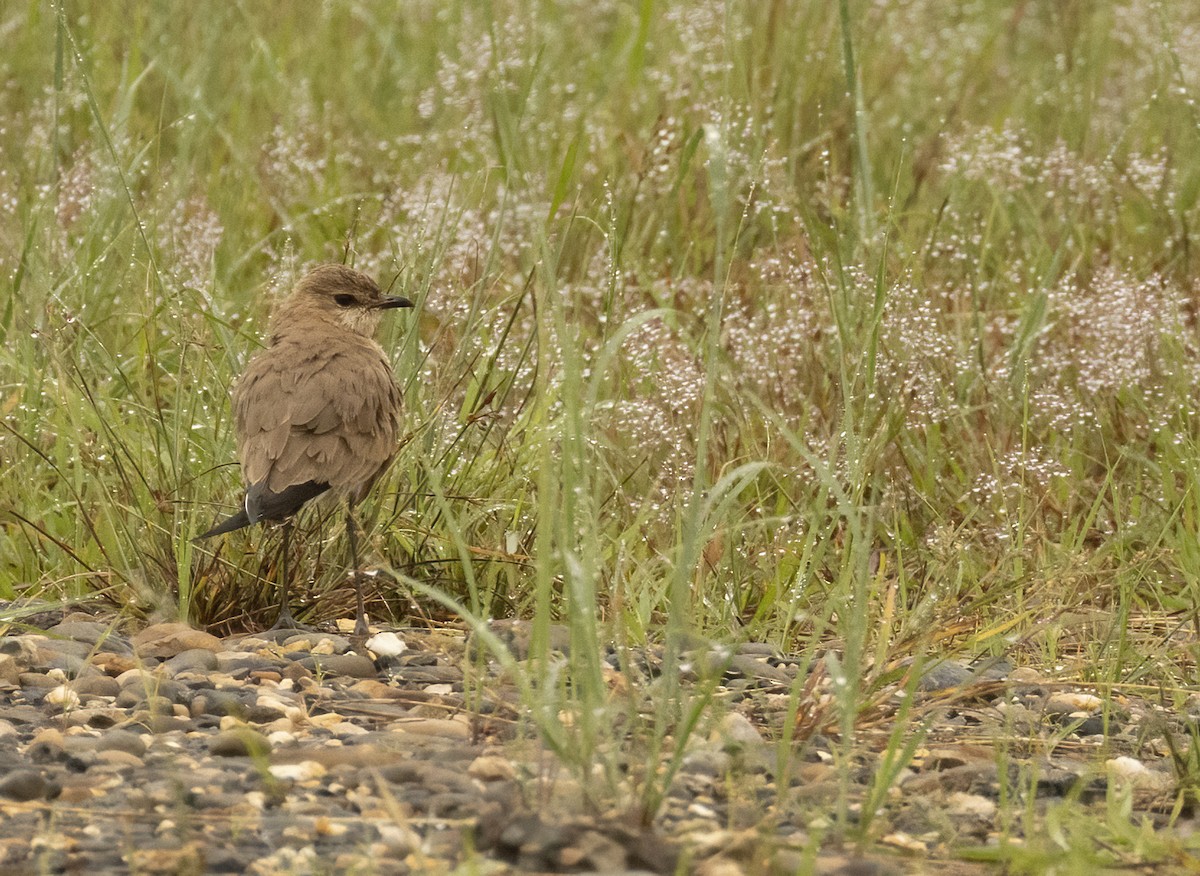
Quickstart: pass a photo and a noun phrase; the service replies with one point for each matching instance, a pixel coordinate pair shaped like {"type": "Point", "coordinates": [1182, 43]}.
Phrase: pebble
{"type": "Point", "coordinates": [304, 771]}
{"type": "Point", "coordinates": [191, 660]}
{"type": "Point", "coordinates": [27, 785]}
{"type": "Point", "coordinates": [91, 633]}
{"type": "Point", "coordinates": [1071, 703]}
{"type": "Point", "coordinates": [960, 805]}
{"type": "Point", "coordinates": [386, 644]}
{"type": "Point", "coordinates": [10, 670]}
{"type": "Point", "coordinates": [169, 639]}
{"type": "Point", "coordinates": [63, 697]}
{"type": "Point", "coordinates": [96, 686]}
{"type": "Point", "coordinates": [491, 768]}
{"type": "Point", "coordinates": [239, 742]}
{"type": "Point", "coordinates": [351, 665]}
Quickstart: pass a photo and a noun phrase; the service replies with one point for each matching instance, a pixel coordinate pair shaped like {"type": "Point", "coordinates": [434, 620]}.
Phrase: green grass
{"type": "Point", "coordinates": [863, 327]}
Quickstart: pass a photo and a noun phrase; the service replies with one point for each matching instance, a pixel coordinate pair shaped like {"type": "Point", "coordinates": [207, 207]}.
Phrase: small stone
{"type": "Point", "coordinates": [170, 639]}
{"type": "Point", "coordinates": [239, 663]}
{"type": "Point", "coordinates": [152, 690]}
{"type": "Point", "coordinates": [735, 728]}
{"type": "Point", "coordinates": [191, 660]}
{"type": "Point", "coordinates": [428, 674]}
{"type": "Point", "coordinates": [113, 664]}
{"type": "Point", "coordinates": [27, 785]}
{"type": "Point", "coordinates": [96, 686]}
{"type": "Point", "coordinates": [48, 736]}
{"type": "Point", "coordinates": [1025, 675]}
{"type": "Point", "coordinates": [1128, 770]}
{"type": "Point", "coordinates": [94, 718]}
{"type": "Point", "coordinates": [90, 633]}
{"type": "Point", "coordinates": [303, 771]}
{"type": "Point", "coordinates": [970, 806]}
{"type": "Point", "coordinates": [709, 761]}
{"type": "Point", "coordinates": [981, 777]}
{"type": "Point", "coordinates": [23, 649]}
{"type": "Point", "coordinates": [268, 708]}
{"type": "Point", "coordinates": [720, 866]}
{"type": "Point", "coordinates": [156, 721]}
{"type": "Point", "coordinates": [117, 760]}
{"type": "Point", "coordinates": [906, 842]}
{"type": "Point", "coordinates": [281, 739]}
{"type": "Point", "coordinates": [10, 670]}
{"type": "Point", "coordinates": [37, 680]}
{"type": "Point", "coordinates": [220, 703]}
{"type": "Point", "coordinates": [373, 688]}
{"type": "Point", "coordinates": [240, 742]}
{"type": "Point", "coordinates": [445, 727]}
{"type": "Point", "coordinates": [63, 697]}
{"type": "Point", "coordinates": [398, 839]}
{"type": "Point", "coordinates": [1068, 703]}
{"type": "Point", "coordinates": [324, 826]}
{"type": "Point", "coordinates": [491, 768]}
{"type": "Point", "coordinates": [121, 740]}
{"type": "Point", "coordinates": [351, 665]}
{"type": "Point", "coordinates": [432, 777]}
{"type": "Point", "coordinates": [387, 644]}
{"type": "Point", "coordinates": [296, 672]}
{"type": "Point", "coordinates": [942, 675]}
{"type": "Point", "coordinates": [314, 642]}
{"type": "Point", "coordinates": [758, 669]}
{"type": "Point", "coordinates": [190, 858]}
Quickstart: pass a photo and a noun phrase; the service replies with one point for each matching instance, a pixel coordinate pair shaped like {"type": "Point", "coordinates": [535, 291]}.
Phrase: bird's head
{"type": "Point", "coordinates": [342, 295]}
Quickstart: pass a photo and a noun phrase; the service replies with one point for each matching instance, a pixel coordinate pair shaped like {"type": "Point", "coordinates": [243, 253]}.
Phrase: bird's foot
{"type": "Point", "coordinates": [286, 621]}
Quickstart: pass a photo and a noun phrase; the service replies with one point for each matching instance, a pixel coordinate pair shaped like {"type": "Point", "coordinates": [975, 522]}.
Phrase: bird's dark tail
{"type": "Point", "coordinates": [237, 521]}
{"type": "Point", "coordinates": [261, 504]}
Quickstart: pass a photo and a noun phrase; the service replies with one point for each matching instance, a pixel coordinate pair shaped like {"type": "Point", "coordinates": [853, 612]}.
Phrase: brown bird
{"type": "Point", "coordinates": [318, 410]}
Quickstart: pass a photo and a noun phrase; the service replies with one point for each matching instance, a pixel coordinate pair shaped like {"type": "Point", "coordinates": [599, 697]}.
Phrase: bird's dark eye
{"type": "Point", "coordinates": [344, 300]}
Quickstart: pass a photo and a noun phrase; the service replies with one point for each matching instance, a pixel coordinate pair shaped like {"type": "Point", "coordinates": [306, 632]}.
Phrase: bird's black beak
{"type": "Point", "coordinates": [393, 301]}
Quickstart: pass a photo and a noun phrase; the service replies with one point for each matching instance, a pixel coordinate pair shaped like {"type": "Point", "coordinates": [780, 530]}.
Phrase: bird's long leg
{"type": "Point", "coordinates": [360, 621]}
{"type": "Point", "coordinates": [285, 620]}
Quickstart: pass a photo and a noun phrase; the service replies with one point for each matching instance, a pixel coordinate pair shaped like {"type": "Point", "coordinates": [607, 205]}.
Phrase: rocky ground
{"type": "Point", "coordinates": [169, 750]}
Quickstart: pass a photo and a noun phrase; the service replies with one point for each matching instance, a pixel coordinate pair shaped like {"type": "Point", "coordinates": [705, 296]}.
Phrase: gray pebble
{"type": "Point", "coordinates": [48, 648]}
{"type": "Point", "coordinates": [160, 690]}
{"type": "Point", "coordinates": [351, 665]}
{"type": "Point", "coordinates": [97, 684]}
{"type": "Point", "coordinates": [437, 779]}
{"type": "Point", "coordinates": [428, 674]}
{"type": "Point", "coordinates": [192, 660]}
{"type": "Point", "coordinates": [754, 669]}
{"type": "Point", "coordinates": [221, 702]}
{"type": "Point", "coordinates": [240, 665]}
{"type": "Point", "coordinates": [943, 675]}
{"type": "Point", "coordinates": [93, 634]}
{"type": "Point", "coordinates": [120, 740]}
{"type": "Point", "coordinates": [28, 785]}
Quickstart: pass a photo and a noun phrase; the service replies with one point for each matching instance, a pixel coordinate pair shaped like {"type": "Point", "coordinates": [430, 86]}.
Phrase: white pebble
{"type": "Point", "coordinates": [387, 645]}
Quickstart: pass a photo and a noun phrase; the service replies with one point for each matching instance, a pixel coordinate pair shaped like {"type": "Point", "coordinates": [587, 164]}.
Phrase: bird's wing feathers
{"type": "Point", "coordinates": [325, 414]}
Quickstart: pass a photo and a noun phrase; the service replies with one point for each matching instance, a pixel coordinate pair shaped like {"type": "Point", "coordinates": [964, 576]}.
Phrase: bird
{"type": "Point", "coordinates": [317, 411]}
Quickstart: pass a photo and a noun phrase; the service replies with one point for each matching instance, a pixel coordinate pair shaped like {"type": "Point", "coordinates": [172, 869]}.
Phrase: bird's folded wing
{"type": "Point", "coordinates": [325, 413]}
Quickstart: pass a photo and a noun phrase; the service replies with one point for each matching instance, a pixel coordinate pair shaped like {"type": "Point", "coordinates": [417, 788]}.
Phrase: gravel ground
{"type": "Point", "coordinates": [173, 751]}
